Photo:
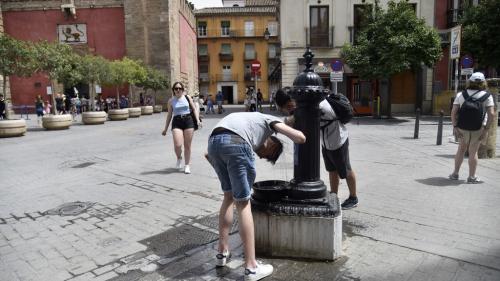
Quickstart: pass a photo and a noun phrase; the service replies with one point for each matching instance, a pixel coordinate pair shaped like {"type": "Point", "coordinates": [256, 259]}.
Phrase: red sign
{"type": "Point", "coordinates": [255, 65]}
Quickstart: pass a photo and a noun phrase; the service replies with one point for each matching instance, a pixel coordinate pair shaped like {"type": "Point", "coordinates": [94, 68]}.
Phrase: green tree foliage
{"type": "Point", "coordinates": [118, 76]}
{"type": "Point", "coordinates": [95, 70]}
{"type": "Point", "coordinates": [16, 58]}
{"type": "Point", "coordinates": [135, 72]}
{"type": "Point", "coordinates": [155, 80]}
{"type": "Point", "coordinates": [55, 60]}
{"type": "Point", "coordinates": [480, 36]}
{"type": "Point", "coordinates": [392, 41]}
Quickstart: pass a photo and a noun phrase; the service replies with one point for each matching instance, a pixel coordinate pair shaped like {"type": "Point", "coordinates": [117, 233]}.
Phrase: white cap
{"type": "Point", "coordinates": [477, 77]}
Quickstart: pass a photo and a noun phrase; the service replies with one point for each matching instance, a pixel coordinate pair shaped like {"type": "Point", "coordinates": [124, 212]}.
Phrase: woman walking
{"type": "Point", "coordinates": [180, 107]}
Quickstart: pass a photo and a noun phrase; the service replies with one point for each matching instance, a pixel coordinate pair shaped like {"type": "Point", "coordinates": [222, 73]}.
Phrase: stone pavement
{"type": "Point", "coordinates": [143, 220]}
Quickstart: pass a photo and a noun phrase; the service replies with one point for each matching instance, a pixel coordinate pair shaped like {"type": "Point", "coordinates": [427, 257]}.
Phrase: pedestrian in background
{"type": "Point", "coordinates": [210, 105]}
{"type": "Point", "coordinates": [48, 107]}
{"type": "Point", "coordinates": [471, 116]}
{"type": "Point", "coordinates": [230, 152]}
{"type": "Point", "coordinates": [180, 106]}
{"type": "Point", "coordinates": [2, 108]}
{"type": "Point", "coordinates": [219, 98]}
{"type": "Point", "coordinates": [335, 148]}
{"type": "Point", "coordinates": [39, 108]}
{"type": "Point", "coordinates": [260, 100]}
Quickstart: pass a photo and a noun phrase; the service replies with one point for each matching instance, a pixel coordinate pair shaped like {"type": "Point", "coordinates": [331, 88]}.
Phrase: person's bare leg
{"type": "Point", "coordinates": [225, 221]}
{"type": "Point", "coordinates": [334, 182]}
{"type": "Point", "coordinates": [246, 229]}
{"type": "Point", "coordinates": [473, 148]}
{"type": "Point", "coordinates": [178, 140]}
{"type": "Point", "coordinates": [459, 156]}
{"type": "Point", "coordinates": [351, 183]}
{"type": "Point", "coordinates": [188, 138]}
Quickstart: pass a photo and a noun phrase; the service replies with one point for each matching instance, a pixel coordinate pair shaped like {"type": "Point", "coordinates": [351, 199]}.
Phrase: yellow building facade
{"type": "Point", "coordinates": [230, 39]}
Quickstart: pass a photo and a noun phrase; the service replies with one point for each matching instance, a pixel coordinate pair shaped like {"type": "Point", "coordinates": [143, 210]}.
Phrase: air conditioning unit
{"type": "Point", "coordinates": [69, 9]}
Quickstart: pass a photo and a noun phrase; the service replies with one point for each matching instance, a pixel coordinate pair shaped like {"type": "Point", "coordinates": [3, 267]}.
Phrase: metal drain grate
{"type": "Point", "coordinates": [70, 209]}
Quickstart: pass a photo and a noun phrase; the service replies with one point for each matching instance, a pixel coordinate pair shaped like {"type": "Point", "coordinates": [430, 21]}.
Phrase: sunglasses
{"type": "Point", "coordinates": [178, 89]}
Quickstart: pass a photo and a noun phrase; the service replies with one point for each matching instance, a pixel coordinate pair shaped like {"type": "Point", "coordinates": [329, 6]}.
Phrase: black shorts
{"type": "Point", "coordinates": [183, 122]}
{"type": "Point", "coordinates": [337, 160]}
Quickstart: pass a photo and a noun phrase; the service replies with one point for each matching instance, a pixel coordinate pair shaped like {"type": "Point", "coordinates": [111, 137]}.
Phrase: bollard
{"type": "Point", "coordinates": [439, 140]}
{"type": "Point", "coordinates": [417, 121]}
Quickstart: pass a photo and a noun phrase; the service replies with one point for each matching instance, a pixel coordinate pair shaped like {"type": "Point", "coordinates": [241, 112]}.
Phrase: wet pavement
{"type": "Point", "coordinates": [135, 217]}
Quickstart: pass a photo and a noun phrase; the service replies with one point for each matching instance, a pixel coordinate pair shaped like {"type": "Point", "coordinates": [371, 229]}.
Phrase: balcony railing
{"type": "Point", "coordinates": [226, 77]}
{"type": "Point", "coordinates": [320, 40]}
{"type": "Point", "coordinates": [235, 33]}
{"type": "Point", "coordinates": [225, 56]}
{"type": "Point", "coordinates": [353, 34]}
{"type": "Point", "coordinates": [454, 16]}
{"type": "Point", "coordinates": [203, 58]}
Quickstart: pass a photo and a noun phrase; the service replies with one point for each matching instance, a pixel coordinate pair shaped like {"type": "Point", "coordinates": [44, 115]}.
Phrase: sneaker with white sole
{"type": "Point", "coordinates": [474, 180]}
{"type": "Point", "coordinates": [223, 258]}
{"type": "Point", "coordinates": [178, 165]}
{"type": "Point", "coordinates": [187, 169]}
{"type": "Point", "coordinates": [261, 271]}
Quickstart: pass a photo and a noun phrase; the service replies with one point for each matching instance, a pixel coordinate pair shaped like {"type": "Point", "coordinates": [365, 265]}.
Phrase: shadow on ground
{"type": "Point", "coordinates": [440, 181]}
{"type": "Point", "coordinates": [162, 172]}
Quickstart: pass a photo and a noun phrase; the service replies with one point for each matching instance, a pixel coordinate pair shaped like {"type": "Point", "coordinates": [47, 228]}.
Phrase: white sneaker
{"type": "Point", "coordinates": [187, 169]}
{"type": "Point", "coordinates": [261, 271]}
{"type": "Point", "coordinates": [223, 258]}
{"type": "Point", "coordinates": [178, 165]}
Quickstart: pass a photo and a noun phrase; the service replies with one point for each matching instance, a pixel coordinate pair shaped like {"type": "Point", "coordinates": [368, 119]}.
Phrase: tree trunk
{"type": "Point", "coordinates": [92, 97]}
{"type": "Point", "coordinates": [389, 98]}
{"type": "Point", "coordinates": [4, 90]}
{"type": "Point", "coordinates": [54, 105]}
{"type": "Point", "coordinates": [131, 94]}
{"type": "Point", "coordinates": [117, 98]}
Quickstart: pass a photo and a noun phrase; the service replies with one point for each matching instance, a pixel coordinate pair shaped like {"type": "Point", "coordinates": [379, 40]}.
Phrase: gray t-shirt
{"type": "Point", "coordinates": [335, 134]}
{"type": "Point", "coordinates": [253, 127]}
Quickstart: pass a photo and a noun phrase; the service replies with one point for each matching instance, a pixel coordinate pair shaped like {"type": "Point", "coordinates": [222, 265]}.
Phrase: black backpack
{"type": "Point", "coordinates": [342, 107]}
{"type": "Point", "coordinates": [472, 111]}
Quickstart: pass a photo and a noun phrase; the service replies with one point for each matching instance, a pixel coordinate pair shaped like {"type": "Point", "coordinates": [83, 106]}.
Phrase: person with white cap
{"type": "Point", "coordinates": [471, 116]}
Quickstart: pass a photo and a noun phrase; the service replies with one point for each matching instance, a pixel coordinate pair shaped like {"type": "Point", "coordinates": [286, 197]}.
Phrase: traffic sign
{"type": "Point", "coordinates": [336, 76]}
{"type": "Point", "coordinates": [255, 65]}
{"type": "Point", "coordinates": [467, 71]}
{"type": "Point", "coordinates": [467, 62]}
{"type": "Point", "coordinates": [455, 42]}
{"type": "Point", "coordinates": [337, 65]}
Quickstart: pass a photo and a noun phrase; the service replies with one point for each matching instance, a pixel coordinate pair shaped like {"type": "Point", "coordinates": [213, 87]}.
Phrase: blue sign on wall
{"type": "Point", "coordinates": [467, 62]}
{"type": "Point", "coordinates": [337, 65]}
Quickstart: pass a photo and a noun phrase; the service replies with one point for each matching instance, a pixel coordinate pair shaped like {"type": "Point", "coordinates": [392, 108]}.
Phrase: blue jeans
{"type": "Point", "coordinates": [233, 160]}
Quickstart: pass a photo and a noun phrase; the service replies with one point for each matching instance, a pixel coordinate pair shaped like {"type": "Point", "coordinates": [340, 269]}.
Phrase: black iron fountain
{"type": "Point", "coordinates": [300, 218]}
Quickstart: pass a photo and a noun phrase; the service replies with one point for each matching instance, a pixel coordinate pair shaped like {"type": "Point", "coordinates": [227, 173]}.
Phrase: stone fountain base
{"type": "Point", "coordinates": [286, 228]}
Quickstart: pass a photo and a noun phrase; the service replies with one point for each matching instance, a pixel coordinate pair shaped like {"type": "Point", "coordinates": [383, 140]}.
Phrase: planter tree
{"type": "Point", "coordinates": [155, 80]}
{"type": "Point", "coordinates": [16, 58]}
{"type": "Point", "coordinates": [135, 73]}
{"type": "Point", "coordinates": [393, 41]}
{"type": "Point", "coordinates": [95, 70]}
{"type": "Point", "coordinates": [55, 60]}
{"type": "Point", "coordinates": [480, 36]}
{"type": "Point", "coordinates": [118, 76]}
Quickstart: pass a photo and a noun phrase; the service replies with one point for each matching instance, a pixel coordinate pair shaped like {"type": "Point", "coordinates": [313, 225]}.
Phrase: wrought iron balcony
{"type": "Point", "coordinates": [203, 58]}
{"type": "Point", "coordinates": [233, 33]}
{"type": "Point", "coordinates": [225, 56]}
{"type": "Point", "coordinates": [226, 77]}
{"type": "Point", "coordinates": [320, 39]}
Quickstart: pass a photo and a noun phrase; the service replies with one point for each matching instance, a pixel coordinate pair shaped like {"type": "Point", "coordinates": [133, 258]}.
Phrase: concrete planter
{"type": "Point", "coordinates": [57, 122]}
{"type": "Point", "coordinates": [94, 117]}
{"type": "Point", "coordinates": [118, 114]}
{"type": "Point", "coordinates": [12, 128]}
{"type": "Point", "coordinates": [157, 108]}
{"type": "Point", "coordinates": [134, 112]}
{"type": "Point", "coordinates": [146, 110]}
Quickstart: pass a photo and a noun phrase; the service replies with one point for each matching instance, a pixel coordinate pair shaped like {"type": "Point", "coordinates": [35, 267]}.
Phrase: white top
{"type": "Point", "coordinates": [459, 100]}
{"type": "Point", "coordinates": [334, 135]}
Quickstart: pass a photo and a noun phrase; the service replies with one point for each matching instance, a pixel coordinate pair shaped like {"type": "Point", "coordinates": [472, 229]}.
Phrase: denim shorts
{"type": "Point", "coordinates": [183, 122]}
{"type": "Point", "coordinates": [233, 160]}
